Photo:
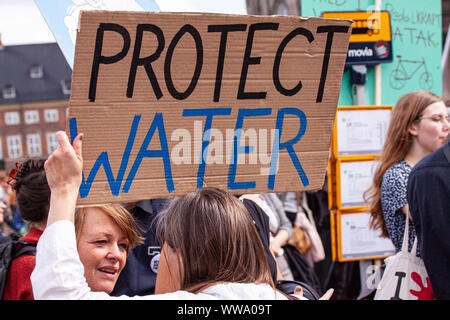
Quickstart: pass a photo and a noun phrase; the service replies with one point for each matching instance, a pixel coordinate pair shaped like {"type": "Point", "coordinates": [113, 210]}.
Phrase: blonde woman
{"type": "Point", "coordinates": [419, 126]}
{"type": "Point", "coordinates": [105, 234]}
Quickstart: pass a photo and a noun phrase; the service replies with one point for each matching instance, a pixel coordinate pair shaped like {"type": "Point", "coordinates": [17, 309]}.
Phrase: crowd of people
{"type": "Point", "coordinates": [209, 244]}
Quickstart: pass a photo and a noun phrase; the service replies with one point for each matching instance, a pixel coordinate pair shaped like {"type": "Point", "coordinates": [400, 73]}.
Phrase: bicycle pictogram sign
{"type": "Point", "coordinates": [405, 71]}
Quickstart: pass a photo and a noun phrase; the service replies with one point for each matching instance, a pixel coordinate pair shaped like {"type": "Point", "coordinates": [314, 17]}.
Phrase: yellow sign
{"type": "Point", "coordinates": [367, 26]}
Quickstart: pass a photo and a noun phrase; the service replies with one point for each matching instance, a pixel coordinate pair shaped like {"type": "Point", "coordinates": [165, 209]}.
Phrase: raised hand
{"type": "Point", "coordinates": [64, 166]}
{"type": "Point", "coordinates": [63, 169]}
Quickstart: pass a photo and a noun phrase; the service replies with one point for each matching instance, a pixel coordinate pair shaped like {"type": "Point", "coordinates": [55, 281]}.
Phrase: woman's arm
{"type": "Point", "coordinates": [63, 169]}
{"type": "Point", "coordinates": [58, 273]}
{"type": "Point", "coordinates": [280, 240]}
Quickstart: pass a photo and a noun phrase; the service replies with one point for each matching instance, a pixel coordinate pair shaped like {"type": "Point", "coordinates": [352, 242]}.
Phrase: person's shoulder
{"type": "Point", "coordinates": [432, 161]}
{"type": "Point", "coordinates": [397, 170]}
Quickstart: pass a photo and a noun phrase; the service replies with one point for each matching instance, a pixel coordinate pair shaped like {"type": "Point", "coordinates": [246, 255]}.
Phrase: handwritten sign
{"type": "Point", "coordinates": [172, 102]}
{"type": "Point", "coordinates": [416, 31]}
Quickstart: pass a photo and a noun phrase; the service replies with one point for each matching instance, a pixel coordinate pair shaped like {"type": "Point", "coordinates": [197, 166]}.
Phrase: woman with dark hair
{"type": "Point", "coordinates": [419, 126]}
{"type": "Point", "coordinates": [211, 247]}
{"type": "Point", "coordinates": [33, 199]}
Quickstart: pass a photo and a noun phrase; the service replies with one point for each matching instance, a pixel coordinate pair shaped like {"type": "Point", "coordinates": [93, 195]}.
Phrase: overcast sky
{"type": "Point", "coordinates": [21, 21]}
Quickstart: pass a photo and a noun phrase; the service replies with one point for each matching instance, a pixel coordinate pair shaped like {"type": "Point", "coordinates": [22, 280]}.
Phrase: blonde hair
{"type": "Point", "coordinates": [216, 238]}
{"type": "Point", "coordinates": [121, 216]}
{"type": "Point", "coordinates": [398, 141]}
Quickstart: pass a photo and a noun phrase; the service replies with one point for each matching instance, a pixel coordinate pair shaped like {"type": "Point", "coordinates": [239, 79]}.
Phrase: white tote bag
{"type": "Point", "coordinates": [405, 276]}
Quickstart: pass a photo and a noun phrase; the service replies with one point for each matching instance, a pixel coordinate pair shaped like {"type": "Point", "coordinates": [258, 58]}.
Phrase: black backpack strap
{"type": "Point", "coordinates": [26, 248]}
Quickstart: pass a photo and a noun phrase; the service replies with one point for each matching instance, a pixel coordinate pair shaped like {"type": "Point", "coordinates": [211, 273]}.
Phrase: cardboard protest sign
{"type": "Point", "coordinates": [172, 102]}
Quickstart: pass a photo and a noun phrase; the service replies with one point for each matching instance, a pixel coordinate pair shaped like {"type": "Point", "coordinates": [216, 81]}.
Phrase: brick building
{"type": "Point", "coordinates": [35, 82]}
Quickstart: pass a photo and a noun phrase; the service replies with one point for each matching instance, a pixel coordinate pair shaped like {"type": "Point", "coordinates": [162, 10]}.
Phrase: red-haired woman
{"type": "Point", "coordinates": [419, 126]}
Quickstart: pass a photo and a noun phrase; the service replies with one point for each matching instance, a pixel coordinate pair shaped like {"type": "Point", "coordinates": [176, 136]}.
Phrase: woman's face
{"type": "Point", "coordinates": [432, 128]}
{"type": "Point", "coordinates": [102, 248]}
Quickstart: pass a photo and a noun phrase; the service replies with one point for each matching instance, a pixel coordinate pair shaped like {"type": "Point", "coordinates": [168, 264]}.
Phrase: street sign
{"type": "Point", "coordinates": [370, 42]}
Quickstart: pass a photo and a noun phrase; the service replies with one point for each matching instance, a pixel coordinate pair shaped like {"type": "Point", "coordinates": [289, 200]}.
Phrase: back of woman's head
{"type": "Point", "coordinates": [32, 191]}
{"type": "Point", "coordinates": [216, 239]}
{"type": "Point", "coordinates": [398, 142]}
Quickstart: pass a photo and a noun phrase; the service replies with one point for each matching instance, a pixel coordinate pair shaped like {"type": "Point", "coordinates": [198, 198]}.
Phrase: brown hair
{"type": "Point", "coordinates": [32, 190]}
{"type": "Point", "coordinates": [216, 238]}
{"type": "Point", "coordinates": [396, 146]}
{"type": "Point", "coordinates": [120, 216]}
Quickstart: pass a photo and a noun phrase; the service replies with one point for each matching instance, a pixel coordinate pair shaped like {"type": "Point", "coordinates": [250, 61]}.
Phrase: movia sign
{"type": "Point", "coordinates": [370, 41]}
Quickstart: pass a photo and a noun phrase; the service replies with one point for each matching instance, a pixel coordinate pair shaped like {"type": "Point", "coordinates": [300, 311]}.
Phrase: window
{"type": "Point", "coordinates": [12, 118]}
{"type": "Point", "coordinates": [31, 116]}
{"type": "Point", "coordinates": [51, 115]}
{"type": "Point", "coordinates": [66, 86]}
{"type": "Point", "coordinates": [52, 143]}
{"type": "Point", "coordinates": [34, 145]}
{"type": "Point", "coordinates": [9, 92]}
{"type": "Point", "coordinates": [36, 72]}
{"type": "Point", "coordinates": [14, 146]}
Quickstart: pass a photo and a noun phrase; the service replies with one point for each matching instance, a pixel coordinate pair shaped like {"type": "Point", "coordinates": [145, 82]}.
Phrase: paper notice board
{"type": "Point", "coordinates": [356, 240]}
{"type": "Point", "coordinates": [353, 178]}
{"type": "Point", "coordinates": [360, 130]}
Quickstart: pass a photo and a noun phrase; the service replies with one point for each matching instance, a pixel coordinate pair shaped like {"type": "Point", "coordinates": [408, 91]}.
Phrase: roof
{"type": "Point", "coordinates": [15, 64]}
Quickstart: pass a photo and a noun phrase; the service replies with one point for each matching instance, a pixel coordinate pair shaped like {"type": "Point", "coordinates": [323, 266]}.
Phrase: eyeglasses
{"type": "Point", "coordinates": [436, 118]}
{"type": "Point", "coordinates": [13, 174]}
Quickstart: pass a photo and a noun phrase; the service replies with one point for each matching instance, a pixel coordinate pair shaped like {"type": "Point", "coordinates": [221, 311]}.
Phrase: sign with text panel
{"type": "Point", "coordinates": [370, 42]}
{"type": "Point", "coordinates": [416, 30]}
{"type": "Point", "coordinates": [172, 102]}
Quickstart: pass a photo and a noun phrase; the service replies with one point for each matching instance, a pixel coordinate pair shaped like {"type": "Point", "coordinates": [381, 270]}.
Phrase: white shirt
{"type": "Point", "coordinates": [59, 274]}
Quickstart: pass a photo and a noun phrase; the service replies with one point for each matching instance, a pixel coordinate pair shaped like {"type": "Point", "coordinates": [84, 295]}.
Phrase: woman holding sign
{"type": "Point", "coordinates": [212, 248]}
{"type": "Point", "coordinates": [419, 126]}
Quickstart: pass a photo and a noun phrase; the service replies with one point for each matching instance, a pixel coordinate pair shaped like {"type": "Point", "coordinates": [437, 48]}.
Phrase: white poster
{"type": "Point", "coordinates": [355, 178]}
{"type": "Point", "coordinates": [361, 131]}
{"type": "Point", "coordinates": [358, 240]}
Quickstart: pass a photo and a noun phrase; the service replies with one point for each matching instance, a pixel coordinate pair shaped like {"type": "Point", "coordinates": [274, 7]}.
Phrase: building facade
{"type": "Point", "coordinates": [35, 82]}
